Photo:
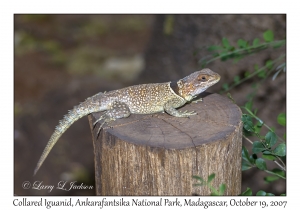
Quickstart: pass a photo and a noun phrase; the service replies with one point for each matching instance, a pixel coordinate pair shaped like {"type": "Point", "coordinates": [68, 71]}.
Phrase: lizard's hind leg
{"type": "Point", "coordinates": [118, 110]}
{"type": "Point", "coordinates": [100, 118]}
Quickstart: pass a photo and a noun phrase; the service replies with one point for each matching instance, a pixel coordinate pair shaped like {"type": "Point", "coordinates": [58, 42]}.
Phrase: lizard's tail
{"type": "Point", "coordinates": [76, 113]}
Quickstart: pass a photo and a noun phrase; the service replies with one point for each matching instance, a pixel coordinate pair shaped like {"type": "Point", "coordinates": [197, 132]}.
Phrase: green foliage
{"type": "Point", "coordinates": [202, 182]}
{"type": "Point", "coordinates": [279, 173]}
{"type": "Point", "coordinates": [258, 147]}
{"type": "Point", "coordinates": [247, 192]}
{"type": "Point", "coordinates": [281, 119]}
{"type": "Point", "coordinates": [263, 193]}
{"type": "Point", "coordinates": [243, 48]}
{"type": "Point", "coordinates": [268, 36]}
{"type": "Point", "coordinates": [248, 124]}
{"type": "Point", "coordinates": [261, 164]}
{"type": "Point", "coordinates": [280, 150]}
{"type": "Point", "coordinates": [271, 138]}
{"type": "Point", "coordinates": [267, 146]}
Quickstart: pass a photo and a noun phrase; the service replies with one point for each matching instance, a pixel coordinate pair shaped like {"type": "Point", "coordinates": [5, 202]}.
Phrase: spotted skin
{"type": "Point", "coordinates": [138, 99]}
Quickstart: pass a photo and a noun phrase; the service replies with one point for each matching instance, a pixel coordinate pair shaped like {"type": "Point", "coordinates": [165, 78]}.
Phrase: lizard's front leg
{"type": "Point", "coordinates": [169, 108]}
{"type": "Point", "coordinates": [116, 111]}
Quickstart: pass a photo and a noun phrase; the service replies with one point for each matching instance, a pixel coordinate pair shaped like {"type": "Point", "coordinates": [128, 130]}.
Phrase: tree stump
{"type": "Point", "coordinates": [158, 154]}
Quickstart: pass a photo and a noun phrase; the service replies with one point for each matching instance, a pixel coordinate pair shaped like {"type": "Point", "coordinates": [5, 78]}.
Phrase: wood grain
{"type": "Point", "coordinates": [158, 154]}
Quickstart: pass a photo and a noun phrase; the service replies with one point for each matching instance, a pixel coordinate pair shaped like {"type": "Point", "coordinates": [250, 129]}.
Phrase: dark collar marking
{"type": "Point", "coordinates": [175, 87]}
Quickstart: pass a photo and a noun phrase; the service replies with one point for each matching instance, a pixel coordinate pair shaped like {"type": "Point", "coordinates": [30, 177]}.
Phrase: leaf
{"type": "Point", "coordinates": [248, 124]}
{"type": "Point", "coordinates": [257, 147]}
{"type": "Point", "coordinates": [269, 64]}
{"type": "Point", "coordinates": [261, 193]}
{"type": "Point", "coordinates": [255, 42]}
{"type": "Point", "coordinates": [259, 123]}
{"type": "Point", "coordinates": [280, 150]}
{"type": "Point", "coordinates": [270, 179]}
{"type": "Point", "coordinates": [279, 172]}
{"type": "Point", "coordinates": [246, 165]}
{"type": "Point", "coordinates": [274, 178]}
{"type": "Point", "coordinates": [246, 117]}
{"type": "Point", "coordinates": [271, 138]}
{"type": "Point", "coordinates": [236, 79]}
{"type": "Point", "coordinates": [258, 126]}
{"type": "Point", "coordinates": [269, 157]}
{"type": "Point", "coordinates": [246, 74]}
{"type": "Point", "coordinates": [281, 119]}
{"type": "Point", "coordinates": [268, 36]}
{"type": "Point", "coordinates": [248, 105]}
{"type": "Point", "coordinates": [214, 191]}
{"type": "Point", "coordinates": [262, 74]}
{"type": "Point", "coordinates": [225, 86]}
{"type": "Point", "coordinates": [211, 177]}
{"type": "Point", "coordinates": [245, 154]}
{"type": "Point", "coordinates": [247, 192]}
{"type": "Point", "coordinates": [246, 161]}
{"type": "Point", "coordinates": [226, 44]}
{"type": "Point", "coordinates": [242, 43]}
{"type": "Point", "coordinates": [222, 189]}
{"type": "Point", "coordinates": [261, 164]}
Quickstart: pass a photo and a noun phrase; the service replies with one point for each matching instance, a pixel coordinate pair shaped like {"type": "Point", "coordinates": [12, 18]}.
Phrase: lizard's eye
{"type": "Point", "coordinates": [202, 78]}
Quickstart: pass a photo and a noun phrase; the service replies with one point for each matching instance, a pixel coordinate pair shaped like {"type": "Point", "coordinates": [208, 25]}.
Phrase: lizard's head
{"type": "Point", "coordinates": [196, 83]}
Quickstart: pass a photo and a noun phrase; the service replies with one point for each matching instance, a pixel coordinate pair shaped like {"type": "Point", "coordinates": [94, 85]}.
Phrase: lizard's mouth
{"type": "Point", "coordinates": [216, 79]}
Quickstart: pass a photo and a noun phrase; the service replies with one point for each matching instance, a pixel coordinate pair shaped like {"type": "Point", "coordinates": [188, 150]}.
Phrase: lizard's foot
{"type": "Point", "coordinates": [186, 113]}
{"type": "Point", "coordinates": [107, 120]}
{"type": "Point", "coordinates": [169, 108]}
{"type": "Point", "coordinates": [100, 118]}
{"type": "Point", "coordinates": [196, 101]}
{"type": "Point", "coordinates": [118, 110]}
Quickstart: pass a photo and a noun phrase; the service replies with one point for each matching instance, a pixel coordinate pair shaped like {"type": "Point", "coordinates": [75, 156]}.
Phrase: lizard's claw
{"type": "Point", "coordinates": [196, 101]}
{"type": "Point", "coordinates": [98, 132]}
{"type": "Point", "coordinates": [100, 118]}
{"type": "Point", "coordinates": [191, 113]}
{"type": "Point", "coordinates": [187, 113]}
{"type": "Point", "coordinates": [106, 120]}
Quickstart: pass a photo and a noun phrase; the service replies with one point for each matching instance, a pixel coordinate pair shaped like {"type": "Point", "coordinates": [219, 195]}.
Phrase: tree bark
{"type": "Point", "coordinates": [158, 154]}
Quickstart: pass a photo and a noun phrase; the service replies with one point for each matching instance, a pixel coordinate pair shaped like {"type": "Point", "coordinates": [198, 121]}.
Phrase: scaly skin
{"type": "Point", "coordinates": [138, 99]}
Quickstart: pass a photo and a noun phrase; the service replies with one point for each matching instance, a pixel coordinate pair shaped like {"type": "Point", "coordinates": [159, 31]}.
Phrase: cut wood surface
{"type": "Point", "coordinates": [158, 154]}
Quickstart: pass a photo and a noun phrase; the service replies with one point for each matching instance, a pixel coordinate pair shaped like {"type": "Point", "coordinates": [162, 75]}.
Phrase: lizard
{"type": "Point", "coordinates": [138, 99]}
